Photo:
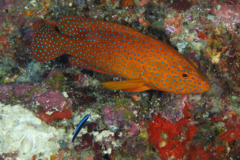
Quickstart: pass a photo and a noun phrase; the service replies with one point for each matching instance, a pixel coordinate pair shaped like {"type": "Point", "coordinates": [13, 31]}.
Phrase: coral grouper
{"type": "Point", "coordinates": [115, 49]}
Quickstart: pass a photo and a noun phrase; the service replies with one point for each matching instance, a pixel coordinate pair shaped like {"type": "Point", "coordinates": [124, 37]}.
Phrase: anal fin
{"type": "Point", "coordinates": [139, 89]}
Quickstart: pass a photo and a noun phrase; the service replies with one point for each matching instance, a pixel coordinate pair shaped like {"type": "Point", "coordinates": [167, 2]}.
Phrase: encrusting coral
{"type": "Point", "coordinates": [171, 138]}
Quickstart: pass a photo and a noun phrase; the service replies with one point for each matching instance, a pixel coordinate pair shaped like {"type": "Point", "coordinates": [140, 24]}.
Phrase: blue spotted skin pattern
{"type": "Point", "coordinates": [115, 49]}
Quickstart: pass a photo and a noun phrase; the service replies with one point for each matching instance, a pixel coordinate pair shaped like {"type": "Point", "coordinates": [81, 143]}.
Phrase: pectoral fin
{"type": "Point", "coordinates": [139, 89]}
{"type": "Point", "coordinates": [126, 86]}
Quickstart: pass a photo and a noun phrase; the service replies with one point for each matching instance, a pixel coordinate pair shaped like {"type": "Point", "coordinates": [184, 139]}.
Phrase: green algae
{"type": "Point", "coordinates": [123, 103]}
{"type": "Point", "coordinates": [4, 70]}
{"type": "Point", "coordinates": [56, 81]}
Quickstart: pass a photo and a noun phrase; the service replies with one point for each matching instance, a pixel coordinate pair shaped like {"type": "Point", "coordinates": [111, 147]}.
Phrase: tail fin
{"type": "Point", "coordinates": [45, 42]}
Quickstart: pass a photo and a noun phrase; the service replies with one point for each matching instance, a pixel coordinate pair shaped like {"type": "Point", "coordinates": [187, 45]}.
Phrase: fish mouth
{"type": "Point", "coordinates": [207, 86]}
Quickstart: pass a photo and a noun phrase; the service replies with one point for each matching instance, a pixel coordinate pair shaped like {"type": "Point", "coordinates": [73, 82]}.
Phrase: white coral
{"type": "Point", "coordinates": [23, 132]}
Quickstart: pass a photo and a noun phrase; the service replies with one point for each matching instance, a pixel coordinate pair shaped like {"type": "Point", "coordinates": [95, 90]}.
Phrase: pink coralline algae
{"type": "Point", "coordinates": [7, 4]}
{"type": "Point", "coordinates": [111, 117]}
{"type": "Point", "coordinates": [8, 91]}
{"type": "Point", "coordinates": [169, 29]}
{"type": "Point", "coordinates": [228, 14]}
{"type": "Point", "coordinates": [189, 17]}
{"type": "Point", "coordinates": [54, 71]}
{"type": "Point", "coordinates": [42, 95]}
{"type": "Point", "coordinates": [132, 128]}
{"type": "Point", "coordinates": [108, 115]}
{"type": "Point", "coordinates": [48, 99]}
{"type": "Point", "coordinates": [5, 92]}
{"type": "Point", "coordinates": [175, 22]}
{"type": "Point", "coordinates": [80, 80]}
{"type": "Point", "coordinates": [142, 2]}
{"type": "Point", "coordinates": [196, 39]}
{"type": "Point", "coordinates": [175, 108]}
{"type": "Point", "coordinates": [52, 100]}
{"type": "Point", "coordinates": [16, 19]}
{"type": "Point", "coordinates": [55, 79]}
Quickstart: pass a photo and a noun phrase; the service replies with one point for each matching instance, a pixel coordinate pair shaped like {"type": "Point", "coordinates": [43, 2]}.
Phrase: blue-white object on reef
{"type": "Point", "coordinates": [80, 127]}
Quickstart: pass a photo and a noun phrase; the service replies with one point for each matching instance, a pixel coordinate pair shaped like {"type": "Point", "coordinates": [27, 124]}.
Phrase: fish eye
{"type": "Point", "coordinates": [185, 74]}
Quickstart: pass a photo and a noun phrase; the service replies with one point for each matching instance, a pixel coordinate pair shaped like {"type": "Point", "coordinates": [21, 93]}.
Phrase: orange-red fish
{"type": "Point", "coordinates": [115, 49]}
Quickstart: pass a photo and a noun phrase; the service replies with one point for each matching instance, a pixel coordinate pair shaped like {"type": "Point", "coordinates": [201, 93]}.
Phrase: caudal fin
{"type": "Point", "coordinates": [45, 42]}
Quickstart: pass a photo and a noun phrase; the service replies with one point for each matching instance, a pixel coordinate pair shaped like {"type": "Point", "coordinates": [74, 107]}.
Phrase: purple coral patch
{"type": "Point", "coordinates": [111, 117]}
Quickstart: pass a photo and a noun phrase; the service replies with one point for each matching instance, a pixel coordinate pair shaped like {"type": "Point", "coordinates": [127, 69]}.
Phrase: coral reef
{"type": "Point", "coordinates": [228, 15]}
{"type": "Point", "coordinates": [26, 135]}
{"type": "Point", "coordinates": [38, 95]}
{"type": "Point", "coordinates": [65, 114]}
{"type": "Point", "coordinates": [163, 134]}
{"type": "Point", "coordinates": [43, 103]}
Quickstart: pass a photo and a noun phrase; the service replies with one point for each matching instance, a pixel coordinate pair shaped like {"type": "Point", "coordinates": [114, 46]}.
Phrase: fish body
{"type": "Point", "coordinates": [80, 125]}
{"type": "Point", "coordinates": [115, 49]}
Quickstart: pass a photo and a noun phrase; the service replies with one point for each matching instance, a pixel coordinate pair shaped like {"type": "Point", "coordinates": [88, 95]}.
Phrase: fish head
{"type": "Point", "coordinates": [192, 80]}
{"type": "Point", "coordinates": [178, 78]}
